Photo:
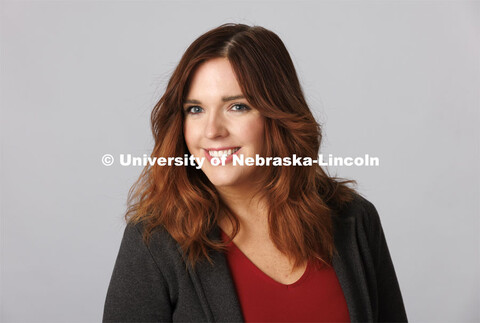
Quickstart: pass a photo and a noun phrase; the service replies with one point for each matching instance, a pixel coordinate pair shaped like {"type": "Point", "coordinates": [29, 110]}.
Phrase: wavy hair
{"type": "Point", "coordinates": [300, 199]}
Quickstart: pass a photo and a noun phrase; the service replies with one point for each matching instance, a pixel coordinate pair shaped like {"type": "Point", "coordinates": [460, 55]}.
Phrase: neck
{"type": "Point", "coordinates": [249, 208]}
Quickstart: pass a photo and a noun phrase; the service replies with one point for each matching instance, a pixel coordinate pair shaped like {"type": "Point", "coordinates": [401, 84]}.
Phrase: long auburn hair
{"type": "Point", "coordinates": [300, 199]}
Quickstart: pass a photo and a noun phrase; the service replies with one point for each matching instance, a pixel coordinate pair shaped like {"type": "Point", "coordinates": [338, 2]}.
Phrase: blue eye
{"type": "Point", "coordinates": [193, 109]}
{"type": "Point", "coordinates": [240, 107]}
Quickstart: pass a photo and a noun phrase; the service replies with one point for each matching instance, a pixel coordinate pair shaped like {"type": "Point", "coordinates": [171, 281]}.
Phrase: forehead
{"type": "Point", "coordinates": [214, 77]}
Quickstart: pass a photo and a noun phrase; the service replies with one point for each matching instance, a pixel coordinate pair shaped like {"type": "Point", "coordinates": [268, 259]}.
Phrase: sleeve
{"type": "Point", "coordinates": [390, 302]}
{"type": "Point", "coordinates": [138, 292]}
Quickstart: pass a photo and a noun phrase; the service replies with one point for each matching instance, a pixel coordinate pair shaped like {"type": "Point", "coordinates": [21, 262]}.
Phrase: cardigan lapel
{"type": "Point", "coordinates": [349, 269]}
{"type": "Point", "coordinates": [215, 287]}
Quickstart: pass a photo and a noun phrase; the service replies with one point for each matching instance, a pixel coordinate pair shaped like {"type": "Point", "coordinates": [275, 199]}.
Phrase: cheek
{"type": "Point", "coordinates": [252, 133]}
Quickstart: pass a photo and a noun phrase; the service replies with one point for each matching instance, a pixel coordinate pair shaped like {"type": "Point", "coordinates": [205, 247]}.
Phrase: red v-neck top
{"type": "Point", "coordinates": [315, 297]}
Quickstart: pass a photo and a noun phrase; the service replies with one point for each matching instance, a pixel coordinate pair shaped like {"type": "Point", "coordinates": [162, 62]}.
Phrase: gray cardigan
{"type": "Point", "coordinates": [150, 283]}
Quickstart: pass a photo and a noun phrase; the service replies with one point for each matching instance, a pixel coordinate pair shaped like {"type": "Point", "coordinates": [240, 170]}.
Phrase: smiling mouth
{"type": "Point", "coordinates": [224, 152]}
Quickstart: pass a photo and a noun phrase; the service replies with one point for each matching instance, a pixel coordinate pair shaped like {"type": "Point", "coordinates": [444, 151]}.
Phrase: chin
{"type": "Point", "coordinates": [224, 177]}
{"type": "Point", "coordinates": [219, 181]}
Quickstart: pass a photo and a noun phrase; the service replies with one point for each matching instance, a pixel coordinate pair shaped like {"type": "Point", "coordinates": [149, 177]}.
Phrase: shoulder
{"type": "Point", "coordinates": [362, 215]}
{"type": "Point", "coordinates": [359, 208]}
{"type": "Point", "coordinates": [160, 240]}
{"type": "Point", "coordinates": [161, 247]}
{"type": "Point", "coordinates": [158, 234]}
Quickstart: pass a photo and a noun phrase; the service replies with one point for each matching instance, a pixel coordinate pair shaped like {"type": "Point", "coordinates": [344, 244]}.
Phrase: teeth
{"type": "Point", "coordinates": [220, 153]}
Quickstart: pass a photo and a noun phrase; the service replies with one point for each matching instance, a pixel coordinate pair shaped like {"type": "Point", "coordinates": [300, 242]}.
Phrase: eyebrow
{"type": "Point", "coordinates": [224, 99]}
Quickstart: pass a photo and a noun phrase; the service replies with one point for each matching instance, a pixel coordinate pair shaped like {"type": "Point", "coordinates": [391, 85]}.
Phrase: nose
{"type": "Point", "coordinates": [215, 126]}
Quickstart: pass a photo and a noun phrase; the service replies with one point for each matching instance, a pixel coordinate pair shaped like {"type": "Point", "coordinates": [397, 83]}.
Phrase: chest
{"type": "Point", "coordinates": [264, 255]}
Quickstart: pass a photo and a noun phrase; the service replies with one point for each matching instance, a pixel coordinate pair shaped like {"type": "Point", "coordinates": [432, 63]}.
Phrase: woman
{"type": "Point", "coordinates": [246, 243]}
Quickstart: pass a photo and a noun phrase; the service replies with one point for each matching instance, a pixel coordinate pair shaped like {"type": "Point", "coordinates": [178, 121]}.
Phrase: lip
{"type": "Point", "coordinates": [221, 148]}
{"type": "Point", "coordinates": [228, 159]}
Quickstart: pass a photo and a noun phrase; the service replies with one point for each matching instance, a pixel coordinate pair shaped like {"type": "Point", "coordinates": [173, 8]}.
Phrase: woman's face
{"type": "Point", "coordinates": [219, 121]}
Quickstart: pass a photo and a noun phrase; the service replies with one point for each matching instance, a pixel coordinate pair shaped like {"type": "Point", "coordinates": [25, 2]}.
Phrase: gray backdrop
{"type": "Point", "coordinates": [397, 79]}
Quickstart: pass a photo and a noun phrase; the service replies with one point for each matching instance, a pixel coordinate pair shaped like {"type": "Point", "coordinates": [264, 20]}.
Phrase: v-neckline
{"type": "Point", "coordinates": [262, 275]}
